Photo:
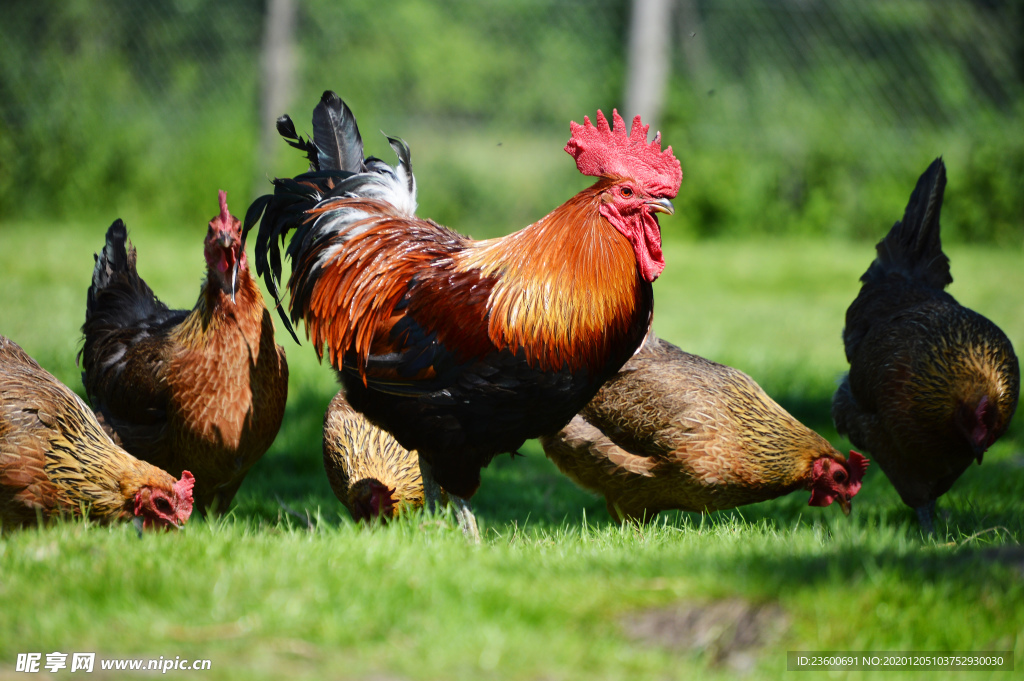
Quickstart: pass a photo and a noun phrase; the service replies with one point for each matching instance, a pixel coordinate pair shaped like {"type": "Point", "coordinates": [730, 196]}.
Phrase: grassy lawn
{"type": "Point", "coordinates": [286, 586]}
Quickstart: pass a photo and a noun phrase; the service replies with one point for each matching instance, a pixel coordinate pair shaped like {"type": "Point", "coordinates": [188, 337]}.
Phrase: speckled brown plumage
{"type": "Point", "coordinates": [932, 384]}
{"type": "Point", "coordinates": [676, 431]}
{"type": "Point", "coordinates": [370, 473]}
{"type": "Point", "coordinates": [56, 460]}
{"type": "Point", "coordinates": [203, 389]}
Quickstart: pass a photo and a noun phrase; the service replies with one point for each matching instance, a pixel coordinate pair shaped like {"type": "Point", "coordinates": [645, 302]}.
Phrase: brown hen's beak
{"type": "Point", "coordinates": [845, 503]}
{"type": "Point", "coordinates": [225, 240]}
{"type": "Point", "coordinates": [662, 206]}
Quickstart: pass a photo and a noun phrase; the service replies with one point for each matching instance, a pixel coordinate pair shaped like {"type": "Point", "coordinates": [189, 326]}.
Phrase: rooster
{"type": "Point", "coordinates": [203, 389]}
{"type": "Point", "coordinates": [931, 384]}
{"type": "Point", "coordinates": [370, 473]}
{"type": "Point", "coordinates": [676, 431]}
{"type": "Point", "coordinates": [463, 349]}
{"type": "Point", "coordinates": [55, 459]}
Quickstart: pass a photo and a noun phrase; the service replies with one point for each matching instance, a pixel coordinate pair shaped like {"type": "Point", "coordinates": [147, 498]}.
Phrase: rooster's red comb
{"type": "Point", "coordinates": [601, 150]}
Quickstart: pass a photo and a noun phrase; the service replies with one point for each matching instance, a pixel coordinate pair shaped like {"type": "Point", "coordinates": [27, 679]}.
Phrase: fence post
{"type": "Point", "coordinates": [648, 59]}
{"type": "Point", "coordinates": [277, 68]}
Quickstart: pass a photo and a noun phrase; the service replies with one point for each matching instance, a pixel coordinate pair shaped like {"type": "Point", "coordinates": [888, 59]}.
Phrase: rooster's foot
{"type": "Point", "coordinates": [926, 516]}
{"type": "Point", "coordinates": [431, 490]}
{"type": "Point", "coordinates": [467, 521]}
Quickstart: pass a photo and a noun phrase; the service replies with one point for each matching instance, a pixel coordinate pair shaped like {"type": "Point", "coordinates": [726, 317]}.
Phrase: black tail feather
{"type": "Point", "coordinates": [913, 245]}
{"type": "Point", "coordinates": [404, 159]}
{"type": "Point", "coordinates": [336, 135]}
{"type": "Point", "coordinates": [286, 128]}
{"type": "Point", "coordinates": [252, 216]}
{"type": "Point", "coordinates": [335, 154]}
{"type": "Point", "coordinates": [267, 252]}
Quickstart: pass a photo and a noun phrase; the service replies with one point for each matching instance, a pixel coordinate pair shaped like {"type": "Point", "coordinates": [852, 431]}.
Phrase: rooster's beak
{"type": "Point", "coordinates": [662, 206]}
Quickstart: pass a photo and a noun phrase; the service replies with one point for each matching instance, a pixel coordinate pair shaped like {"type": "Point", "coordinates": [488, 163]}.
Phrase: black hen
{"type": "Point", "coordinates": [932, 384]}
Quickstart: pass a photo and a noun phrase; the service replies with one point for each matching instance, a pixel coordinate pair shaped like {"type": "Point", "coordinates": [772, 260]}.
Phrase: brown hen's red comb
{"type": "Point", "coordinates": [225, 215]}
{"type": "Point", "coordinates": [602, 151]}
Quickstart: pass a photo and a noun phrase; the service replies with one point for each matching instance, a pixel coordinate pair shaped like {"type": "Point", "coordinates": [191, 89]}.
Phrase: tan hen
{"type": "Point", "coordinates": [370, 473]}
{"type": "Point", "coordinates": [55, 459]}
{"type": "Point", "coordinates": [676, 431]}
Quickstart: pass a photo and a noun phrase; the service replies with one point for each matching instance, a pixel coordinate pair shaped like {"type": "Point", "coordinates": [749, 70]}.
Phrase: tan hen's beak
{"type": "Point", "coordinates": [662, 206]}
{"type": "Point", "coordinates": [845, 504]}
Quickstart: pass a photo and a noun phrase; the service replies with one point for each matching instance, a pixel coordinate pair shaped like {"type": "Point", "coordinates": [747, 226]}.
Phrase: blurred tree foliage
{"type": "Point", "coordinates": [817, 117]}
{"type": "Point", "coordinates": [789, 116]}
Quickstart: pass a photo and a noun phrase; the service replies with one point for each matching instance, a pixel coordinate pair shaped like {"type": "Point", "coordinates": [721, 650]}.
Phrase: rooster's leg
{"type": "Point", "coordinates": [926, 516]}
{"type": "Point", "coordinates": [432, 500]}
{"type": "Point", "coordinates": [467, 521]}
{"type": "Point", "coordinates": [431, 490]}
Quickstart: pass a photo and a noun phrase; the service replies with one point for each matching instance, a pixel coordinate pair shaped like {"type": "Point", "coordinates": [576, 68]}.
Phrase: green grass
{"type": "Point", "coordinates": [267, 594]}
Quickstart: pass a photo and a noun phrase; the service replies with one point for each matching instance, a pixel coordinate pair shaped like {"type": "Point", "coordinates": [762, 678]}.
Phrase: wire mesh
{"type": "Point", "coordinates": [120, 104]}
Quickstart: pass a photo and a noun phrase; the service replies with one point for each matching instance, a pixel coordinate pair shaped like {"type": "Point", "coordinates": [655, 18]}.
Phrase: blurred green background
{"type": "Point", "coordinates": [801, 117]}
{"type": "Point", "coordinates": [801, 126]}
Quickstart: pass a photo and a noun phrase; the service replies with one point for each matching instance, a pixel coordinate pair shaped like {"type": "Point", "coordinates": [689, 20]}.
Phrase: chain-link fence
{"type": "Point", "coordinates": [785, 113]}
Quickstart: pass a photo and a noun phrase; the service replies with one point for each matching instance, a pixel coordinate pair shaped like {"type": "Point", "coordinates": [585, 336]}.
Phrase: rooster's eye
{"type": "Point", "coordinates": [839, 475]}
{"type": "Point", "coordinates": [626, 192]}
{"type": "Point", "coordinates": [163, 505]}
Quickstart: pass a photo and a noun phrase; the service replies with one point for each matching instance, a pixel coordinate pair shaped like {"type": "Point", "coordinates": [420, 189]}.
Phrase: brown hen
{"type": "Point", "coordinates": [56, 460]}
{"type": "Point", "coordinates": [203, 389]}
{"type": "Point", "coordinates": [676, 431]}
{"type": "Point", "coordinates": [932, 384]}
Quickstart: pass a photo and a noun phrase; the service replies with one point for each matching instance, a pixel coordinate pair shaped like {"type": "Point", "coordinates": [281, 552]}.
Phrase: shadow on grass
{"type": "Point", "coordinates": [530, 491]}
{"type": "Point", "coordinates": [769, 572]}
